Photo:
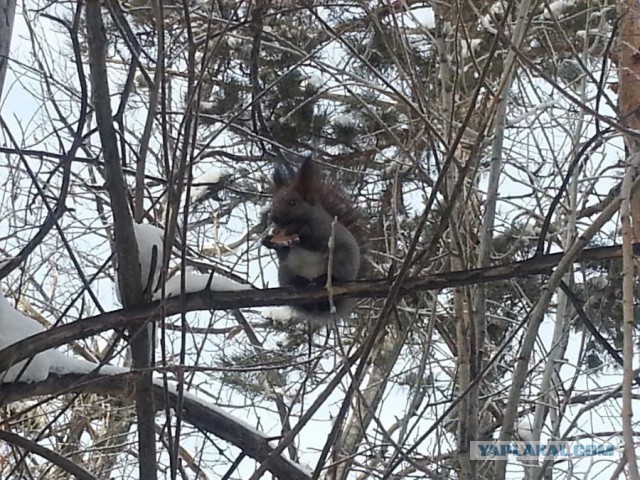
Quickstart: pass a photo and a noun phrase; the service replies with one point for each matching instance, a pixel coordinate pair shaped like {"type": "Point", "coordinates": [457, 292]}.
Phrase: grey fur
{"type": "Point", "coordinates": [297, 210]}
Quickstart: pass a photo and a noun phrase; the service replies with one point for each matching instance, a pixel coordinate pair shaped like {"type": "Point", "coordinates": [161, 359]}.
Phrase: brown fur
{"type": "Point", "coordinates": [304, 206]}
{"type": "Point", "coordinates": [329, 193]}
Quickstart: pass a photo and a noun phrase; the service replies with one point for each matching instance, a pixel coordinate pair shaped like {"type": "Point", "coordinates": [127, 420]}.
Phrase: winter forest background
{"type": "Point", "coordinates": [473, 135]}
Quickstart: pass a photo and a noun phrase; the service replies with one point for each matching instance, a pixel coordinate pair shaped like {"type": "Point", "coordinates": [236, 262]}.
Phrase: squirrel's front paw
{"type": "Point", "coordinates": [280, 239]}
{"type": "Point", "coordinates": [267, 241]}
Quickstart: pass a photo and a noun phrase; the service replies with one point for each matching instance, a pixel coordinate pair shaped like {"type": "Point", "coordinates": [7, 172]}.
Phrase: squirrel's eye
{"type": "Point", "coordinates": [291, 202]}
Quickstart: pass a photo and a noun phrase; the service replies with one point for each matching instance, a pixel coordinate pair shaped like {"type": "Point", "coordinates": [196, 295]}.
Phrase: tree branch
{"type": "Point", "coordinates": [204, 417]}
{"type": "Point", "coordinates": [126, 245]}
{"type": "Point", "coordinates": [206, 300]}
{"type": "Point", "coordinates": [62, 462]}
{"type": "Point", "coordinates": [7, 14]}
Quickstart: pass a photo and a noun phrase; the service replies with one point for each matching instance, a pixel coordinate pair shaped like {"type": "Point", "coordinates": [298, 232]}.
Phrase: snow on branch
{"type": "Point", "coordinates": [14, 327]}
{"type": "Point", "coordinates": [207, 185]}
{"type": "Point", "coordinates": [150, 253]}
{"type": "Point", "coordinates": [149, 239]}
{"type": "Point", "coordinates": [197, 282]}
{"type": "Point", "coordinates": [202, 415]}
{"type": "Point", "coordinates": [207, 300]}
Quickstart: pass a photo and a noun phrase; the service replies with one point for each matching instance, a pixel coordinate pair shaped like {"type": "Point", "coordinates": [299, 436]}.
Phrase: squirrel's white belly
{"type": "Point", "coordinates": [306, 263]}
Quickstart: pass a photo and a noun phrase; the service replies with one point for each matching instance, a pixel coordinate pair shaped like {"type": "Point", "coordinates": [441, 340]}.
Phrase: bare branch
{"type": "Point", "coordinates": [7, 14]}
{"type": "Point", "coordinates": [125, 241]}
{"type": "Point", "coordinates": [90, 326]}
{"type": "Point", "coordinates": [204, 417]}
{"type": "Point", "coordinates": [64, 463]}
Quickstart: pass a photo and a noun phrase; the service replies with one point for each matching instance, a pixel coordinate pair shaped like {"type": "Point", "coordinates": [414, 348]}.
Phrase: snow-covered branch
{"type": "Point", "coordinates": [202, 415]}
{"type": "Point", "coordinates": [209, 300]}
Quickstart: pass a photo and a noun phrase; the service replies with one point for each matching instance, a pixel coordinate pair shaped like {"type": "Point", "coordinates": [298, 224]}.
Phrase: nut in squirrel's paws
{"type": "Point", "coordinates": [281, 239]}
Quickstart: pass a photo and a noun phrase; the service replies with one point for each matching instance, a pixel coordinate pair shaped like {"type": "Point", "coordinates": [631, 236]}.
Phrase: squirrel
{"type": "Point", "coordinates": [303, 209]}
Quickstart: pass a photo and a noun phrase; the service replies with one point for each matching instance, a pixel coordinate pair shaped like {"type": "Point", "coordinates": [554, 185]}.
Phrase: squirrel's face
{"type": "Point", "coordinates": [290, 208]}
{"type": "Point", "coordinates": [295, 203]}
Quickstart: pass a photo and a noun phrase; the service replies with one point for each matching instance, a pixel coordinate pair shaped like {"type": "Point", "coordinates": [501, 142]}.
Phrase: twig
{"type": "Point", "coordinates": [329, 284]}
{"type": "Point", "coordinates": [52, 216]}
{"type": "Point", "coordinates": [536, 316]}
{"type": "Point", "coordinates": [584, 318]}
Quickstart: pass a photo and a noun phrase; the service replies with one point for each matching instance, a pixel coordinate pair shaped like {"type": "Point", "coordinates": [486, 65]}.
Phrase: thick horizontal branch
{"type": "Point", "coordinates": [204, 417]}
{"type": "Point", "coordinates": [206, 300]}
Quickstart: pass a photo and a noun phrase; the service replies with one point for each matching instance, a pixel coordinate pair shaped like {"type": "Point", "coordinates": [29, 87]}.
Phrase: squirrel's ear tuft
{"type": "Point", "coordinates": [282, 175]}
{"type": "Point", "coordinates": [308, 180]}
